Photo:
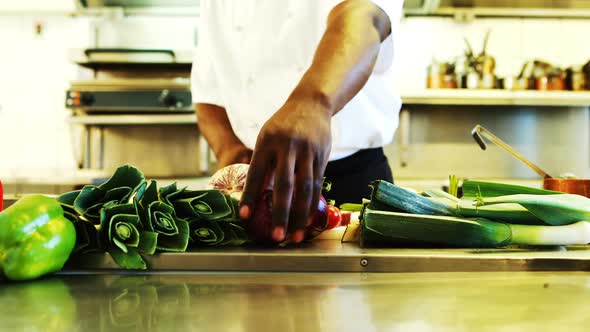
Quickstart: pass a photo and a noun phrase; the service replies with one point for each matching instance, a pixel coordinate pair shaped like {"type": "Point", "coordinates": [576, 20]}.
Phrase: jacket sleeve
{"type": "Point", "coordinates": [204, 81]}
{"type": "Point", "coordinates": [393, 9]}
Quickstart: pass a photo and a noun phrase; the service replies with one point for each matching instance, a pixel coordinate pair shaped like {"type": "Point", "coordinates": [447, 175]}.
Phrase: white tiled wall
{"type": "Point", "coordinates": [34, 69]}
{"type": "Point", "coordinates": [148, 32]}
{"type": "Point", "coordinates": [34, 74]}
{"type": "Point", "coordinates": [37, 6]}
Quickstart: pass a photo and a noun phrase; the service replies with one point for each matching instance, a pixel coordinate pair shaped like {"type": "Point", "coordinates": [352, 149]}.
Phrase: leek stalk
{"type": "Point", "coordinates": [510, 213]}
{"type": "Point", "coordinates": [563, 209]}
{"type": "Point", "coordinates": [389, 197]}
{"type": "Point", "coordinates": [494, 189]}
{"type": "Point", "coordinates": [386, 228]}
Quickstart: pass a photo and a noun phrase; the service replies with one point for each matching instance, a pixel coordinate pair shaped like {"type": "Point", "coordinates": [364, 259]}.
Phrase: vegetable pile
{"type": "Point", "coordinates": [127, 217]}
{"type": "Point", "coordinates": [487, 215]}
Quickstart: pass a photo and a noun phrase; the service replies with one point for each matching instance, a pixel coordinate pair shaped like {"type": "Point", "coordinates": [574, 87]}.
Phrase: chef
{"type": "Point", "coordinates": [300, 90]}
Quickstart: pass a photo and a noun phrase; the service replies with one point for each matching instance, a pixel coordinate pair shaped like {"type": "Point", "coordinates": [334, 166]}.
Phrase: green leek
{"type": "Point", "coordinates": [494, 189]}
{"type": "Point", "coordinates": [384, 228]}
{"type": "Point", "coordinates": [562, 209]}
{"type": "Point", "coordinates": [510, 213]}
{"type": "Point", "coordinates": [394, 228]}
{"type": "Point", "coordinates": [389, 197]}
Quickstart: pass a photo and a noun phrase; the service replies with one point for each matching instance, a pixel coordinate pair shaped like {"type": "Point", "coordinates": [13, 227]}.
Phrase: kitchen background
{"type": "Point", "coordinates": [39, 145]}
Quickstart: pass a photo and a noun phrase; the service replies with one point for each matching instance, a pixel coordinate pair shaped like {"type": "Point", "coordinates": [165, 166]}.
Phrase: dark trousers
{"type": "Point", "coordinates": [351, 176]}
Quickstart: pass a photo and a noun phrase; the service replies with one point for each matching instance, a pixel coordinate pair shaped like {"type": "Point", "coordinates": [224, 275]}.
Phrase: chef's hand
{"type": "Point", "coordinates": [294, 144]}
{"type": "Point", "coordinates": [236, 153]}
{"type": "Point", "coordinates": [292, 147]}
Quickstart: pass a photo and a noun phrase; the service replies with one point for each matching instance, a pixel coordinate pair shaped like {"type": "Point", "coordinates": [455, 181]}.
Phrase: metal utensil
{"type": "Point", "coordinates": [478, 131]}
{"type": "Point", "coordinates": [571, 186]}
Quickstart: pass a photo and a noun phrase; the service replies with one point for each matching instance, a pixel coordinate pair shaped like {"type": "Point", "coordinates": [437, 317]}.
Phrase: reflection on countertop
{"type": "Point", "coordinates": [498, 301]}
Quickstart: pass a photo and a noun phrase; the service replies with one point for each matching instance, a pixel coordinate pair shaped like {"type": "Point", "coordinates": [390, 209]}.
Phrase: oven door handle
{"type": "Point", "coordinates": [88, 52]}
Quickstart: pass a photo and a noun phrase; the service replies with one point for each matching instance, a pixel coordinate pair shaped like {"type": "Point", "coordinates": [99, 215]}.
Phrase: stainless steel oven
{"type": "Point", "coordinates": [136, 108]}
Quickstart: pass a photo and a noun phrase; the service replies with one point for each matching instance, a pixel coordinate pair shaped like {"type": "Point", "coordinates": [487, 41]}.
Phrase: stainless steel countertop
{"type": "Point", "coordinates": [485, 301]}
{"type": "Point", "coordinates": [334, 256]}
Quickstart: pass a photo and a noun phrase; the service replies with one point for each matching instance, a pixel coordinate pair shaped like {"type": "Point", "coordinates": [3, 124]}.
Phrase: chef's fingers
{"type": "Point", "coordinates": [318, 181]}
{"type": "Point", "coordinates": [319, 167]}
{"type": "Point", "coordinates": [304, 187]}
{"type": "Point", "coordinates": [283, 193]}
{"type": "Point", "coordinates": [255, 181]}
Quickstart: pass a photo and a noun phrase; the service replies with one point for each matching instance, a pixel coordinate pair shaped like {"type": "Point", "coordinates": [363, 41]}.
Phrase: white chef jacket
{"type": "Point", "coordinates": [251, 54]}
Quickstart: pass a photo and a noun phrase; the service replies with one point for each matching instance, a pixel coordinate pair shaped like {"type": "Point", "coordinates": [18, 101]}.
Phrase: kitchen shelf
{"type": "Point", "coordinates": [469, 13]}
{"type": "Point", "coordinates": [142, 119]}
{"type": "Point", "coordinates": [496, 97]}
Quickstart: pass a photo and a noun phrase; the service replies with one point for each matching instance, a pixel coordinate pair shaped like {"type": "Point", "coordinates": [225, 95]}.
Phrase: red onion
{"type": "Point", "coordinates": [231, 180]}
{"type": "Point", "coordinates": [259, 227]}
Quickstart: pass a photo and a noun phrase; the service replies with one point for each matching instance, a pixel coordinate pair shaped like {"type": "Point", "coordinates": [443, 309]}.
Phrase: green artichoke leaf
{"type": "Point", "coordinates": [235, 235]}
{"type": "Point", "coordinates": [123, 230]}
{"type": "Point", "coordinates": [163, 222]}
{"type": "Point", "coordinates": [117, 194]}
{"type": "Point", "coordinates": [203, 204]}
{"type": "Point", "coordinates": [238, 235]}
{"type": "Point", "coordinates": [205, 233]}
{"type": "Point", "coordinates": [72, 216]}
{"type": "Point", "coordinates": [235, 207]}
{"type": "Point", "coordinates": [136, 193]}
{"type": "Point", "coordinates": [130, 260]}
{"type": "Point", "coordinates": [142, 203]}
{"type": "Point", "coordinates": [150, 195]}
{"type": "Point", "coordinates": [121, 245]}
{"type": "Point", "coordinates": [86, 232]}
{"type": "Point", "coordinates": [124, 176]}
{"type": "Point", "coordinates": [173, 190]}
{"type": "Point", "coordinates": [90, 198]}
{"type": "Point", "coordinates": [126, 182]}
{"type": "Point", "coordinates": [177, 242]}
{"type": "Point", "coordinates": [147, 242]}
{"type": "Point", "coordinates": [120, 235]}
{"type": "Point", "coordinates": [68, 198]}
{"type": "Point", "coordinates": [173, 232]}
{"type": "Point", "coordinates": [86, 237]}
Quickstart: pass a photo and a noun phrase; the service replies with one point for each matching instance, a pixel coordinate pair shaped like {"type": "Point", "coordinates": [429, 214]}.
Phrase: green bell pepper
{"type": "Point", "coordinates": [35, 238]}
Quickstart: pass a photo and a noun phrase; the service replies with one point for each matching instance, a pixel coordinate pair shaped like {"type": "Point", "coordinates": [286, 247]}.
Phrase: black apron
{"type": "Point", "coordinates": [351, 176]}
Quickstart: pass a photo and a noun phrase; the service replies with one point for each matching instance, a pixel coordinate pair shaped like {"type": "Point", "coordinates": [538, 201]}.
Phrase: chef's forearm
{"type": "Point", "coordinates": [214, 125]}
{"type": "Point", "coordinates": [346, 54]}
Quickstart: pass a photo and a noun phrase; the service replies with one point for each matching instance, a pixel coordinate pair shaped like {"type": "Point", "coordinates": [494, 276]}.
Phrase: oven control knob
{"type": "Point", "coordinates": [168, 99]}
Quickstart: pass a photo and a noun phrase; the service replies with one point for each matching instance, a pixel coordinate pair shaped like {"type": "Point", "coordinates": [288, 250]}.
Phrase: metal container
{"type": "Point", "coordinates": [441, 75]}
{"type": "Point", "coordinates": [513, 83]}
{"type": "Point", "coordinates": [575, 79]}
